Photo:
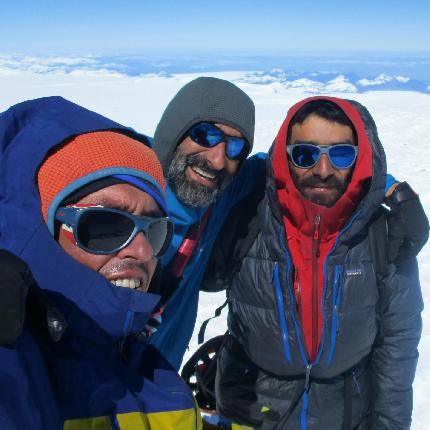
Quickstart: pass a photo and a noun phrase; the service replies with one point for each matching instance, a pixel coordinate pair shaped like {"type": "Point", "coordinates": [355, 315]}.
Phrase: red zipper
{"type": "Point", "coordinates": [315, 255]}
{"type": "Point", "coordinates": [297, 293]}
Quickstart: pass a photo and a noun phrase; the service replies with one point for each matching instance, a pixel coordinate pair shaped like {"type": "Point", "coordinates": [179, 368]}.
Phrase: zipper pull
{"type": "Point", "coordinates": [317, 226]}
{"type": "Point", "coordinates": [307, 376]}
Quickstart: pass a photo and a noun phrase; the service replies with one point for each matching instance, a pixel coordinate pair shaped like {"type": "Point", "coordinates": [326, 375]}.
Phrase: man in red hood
{"type": "Point", "coordinates": [318, 340]}
{"type": "Point", "coordinates": [321, 190]}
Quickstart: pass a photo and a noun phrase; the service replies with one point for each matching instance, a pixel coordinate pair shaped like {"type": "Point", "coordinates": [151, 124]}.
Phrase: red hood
{"type": "Point", "coordinates": [301, 212]}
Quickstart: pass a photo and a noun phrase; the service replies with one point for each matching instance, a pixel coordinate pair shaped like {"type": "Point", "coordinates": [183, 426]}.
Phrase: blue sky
{"type": "Point", "coordinates": [272, 26]}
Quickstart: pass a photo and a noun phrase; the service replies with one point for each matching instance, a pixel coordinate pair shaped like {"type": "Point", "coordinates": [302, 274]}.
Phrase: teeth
{"type": "Point", "coordinates": [203, 173]}
{"type": "Point", "coordinates": [127, 283]}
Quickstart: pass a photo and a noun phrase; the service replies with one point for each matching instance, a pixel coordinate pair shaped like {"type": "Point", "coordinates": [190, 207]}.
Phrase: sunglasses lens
{"type": "Point", "coordinates": [158, 235]}
{"type": "Point", "coordinates": [235, 147]}
{"type": "Point", "coordinates": [342, 156]}
{"type": "Point", "coordinates": [206, 134]}
{"type": "Point", "coordinates": [305, 155]}
{"type": "Point", "coordinates": [102, 231]}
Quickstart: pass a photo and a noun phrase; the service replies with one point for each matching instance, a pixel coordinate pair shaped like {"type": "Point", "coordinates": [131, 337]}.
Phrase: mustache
{"type": "Point", "coordinates": [127, 265]}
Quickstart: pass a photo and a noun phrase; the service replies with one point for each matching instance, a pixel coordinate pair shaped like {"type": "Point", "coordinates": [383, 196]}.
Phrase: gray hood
{"type": "Point", "coordinates": [203, 99]}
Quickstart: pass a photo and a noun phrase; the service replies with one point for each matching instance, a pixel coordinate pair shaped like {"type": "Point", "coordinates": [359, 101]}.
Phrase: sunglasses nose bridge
{"type": "Point", "coordinates": [216, 156]}
{"type": "Point", "coordinates": [323, 167]}
{"type": "Point", "coordinates": [139, 248]}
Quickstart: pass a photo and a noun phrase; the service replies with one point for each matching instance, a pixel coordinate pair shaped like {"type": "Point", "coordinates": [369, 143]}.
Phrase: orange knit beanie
{"type": "Point", "coordinates": [92, 156]}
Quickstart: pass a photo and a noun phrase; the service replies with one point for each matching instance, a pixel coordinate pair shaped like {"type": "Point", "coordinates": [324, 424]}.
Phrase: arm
{"type": "Point", "coordinates": [395, 352]}
{"type": "Point", "coordinates": [408, 226]}
{"type": "Point", "coordinates": [233, 241]}
{"type": "Point", "coordinates": [234, 213]}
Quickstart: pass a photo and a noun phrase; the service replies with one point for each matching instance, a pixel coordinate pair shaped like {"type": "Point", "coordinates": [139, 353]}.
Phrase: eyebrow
{"type": "Point", "coordinates": [105, 202]}
{"type": "Point", "coordinates": [311, 142]}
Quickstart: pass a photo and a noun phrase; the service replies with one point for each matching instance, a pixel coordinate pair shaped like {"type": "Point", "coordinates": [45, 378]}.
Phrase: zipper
{"type": "Point", "coordinates": [337, 289]}
{"type": "Point", "coordinates": [297, 327]}
{"type": "Point", "coordinates": [304, 411]}
{"type": "Point", "coordinates": [297, 293]}
{"type": "Point", "coordinates": [315, 255]}
{"type": "Point", "coordinates": [282, 313]}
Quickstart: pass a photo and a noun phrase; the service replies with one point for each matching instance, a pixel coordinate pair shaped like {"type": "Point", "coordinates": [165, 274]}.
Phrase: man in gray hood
{"type": "Point", "coordinates": [203, 135]}
{"type": "Point", "coordinates": [202, 141]}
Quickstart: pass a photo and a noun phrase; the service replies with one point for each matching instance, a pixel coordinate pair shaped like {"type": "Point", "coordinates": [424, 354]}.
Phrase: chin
{"type": "Point", "coordinates": [321, 201]}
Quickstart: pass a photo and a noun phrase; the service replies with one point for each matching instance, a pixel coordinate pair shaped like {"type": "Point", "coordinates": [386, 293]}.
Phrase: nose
{"type": "Point", "coordinates": [323, 169]}
{"type": "Point", "coordinates": [216, 156]}
{"type": "Point", "coordinates": [139, 249]}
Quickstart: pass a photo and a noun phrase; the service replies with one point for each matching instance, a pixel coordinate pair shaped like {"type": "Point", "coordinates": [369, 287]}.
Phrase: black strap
{"type": "Point", "coordinates": [201, 336]}
{"type": "Point", "coordinates": [378, 243]}
{"type": "Point", "coordinates": [347, 402]}
{"type": "Point", "coordinates": [298, 395]}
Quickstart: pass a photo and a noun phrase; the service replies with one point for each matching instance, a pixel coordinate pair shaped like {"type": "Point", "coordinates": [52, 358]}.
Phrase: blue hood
{"type": "Point", "coordinates": [98, 310]}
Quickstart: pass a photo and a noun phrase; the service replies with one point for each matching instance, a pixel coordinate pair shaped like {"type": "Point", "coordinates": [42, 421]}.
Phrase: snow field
{"type": "Point", "coordinates": [402, 119]}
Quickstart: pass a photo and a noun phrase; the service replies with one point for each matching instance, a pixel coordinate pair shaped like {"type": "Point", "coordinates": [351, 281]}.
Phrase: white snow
{"type": "Point", "coordinates": [402, 119]}
{"type": "Point", "coordinates": [382, 79]}
{"type": "Point", "coordinates": [340, 84]}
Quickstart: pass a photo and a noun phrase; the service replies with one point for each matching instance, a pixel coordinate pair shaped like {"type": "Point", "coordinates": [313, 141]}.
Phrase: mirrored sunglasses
{"type": "Point", "coordinates": [101, 230]}
{"type": "Point", "coordinates": [208, 135]}
{"type": "Point", "coordinates": [306, 156]}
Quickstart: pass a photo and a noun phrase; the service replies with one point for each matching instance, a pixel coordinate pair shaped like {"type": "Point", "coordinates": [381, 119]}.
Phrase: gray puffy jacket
{"type": "Point", "coordinates": [368, 348]}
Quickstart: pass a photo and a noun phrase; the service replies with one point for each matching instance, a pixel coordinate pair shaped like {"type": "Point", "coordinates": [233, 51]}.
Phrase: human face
{"type": "Point", "coordinates": [134, 265]}
{"type": "Point", "coordinates": [322, 184]}
{"type": "Point", "coordinates": [197, 175]}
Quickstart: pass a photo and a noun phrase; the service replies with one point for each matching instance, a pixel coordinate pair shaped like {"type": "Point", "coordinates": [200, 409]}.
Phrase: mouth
{"type": "Point", "coordinates": [202, 176]}
{"type": "Point", "coordinates": [320, 189]}
{"type": "Point", "coordinates": [203, 173]}
{"type": "Point", "coordinates": [133, 283]}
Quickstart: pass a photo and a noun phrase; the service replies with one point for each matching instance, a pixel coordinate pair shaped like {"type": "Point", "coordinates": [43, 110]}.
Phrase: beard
{"type": "Point", "coordinates": [304, 185]}
{"type": "Point", "coordinates": [191, 193]}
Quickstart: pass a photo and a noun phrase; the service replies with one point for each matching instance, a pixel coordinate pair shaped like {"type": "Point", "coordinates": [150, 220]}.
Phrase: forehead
{"type": "Point", "coordinates": [229, 130]}
{"type": "Point", "coordinates": [125, 197]}
{"type": "Point", "coordinates": [320, 131]}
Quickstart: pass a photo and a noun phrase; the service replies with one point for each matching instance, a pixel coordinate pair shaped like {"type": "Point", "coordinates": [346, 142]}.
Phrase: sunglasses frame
{"type": "Point", "coordinates": [323, 149]}
{"type": "Point", "coordinates": [223, 138]}
{"type": "Point", "coordinates": [72, 215]}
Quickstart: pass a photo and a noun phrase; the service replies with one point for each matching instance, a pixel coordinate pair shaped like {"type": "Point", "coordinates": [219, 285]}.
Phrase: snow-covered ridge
{"type": "Point", "coordinates": [335, 82]}
{"type": "Point", "coordinates": [76, 65]}
{"type": "Point", "coordinates": [318, 77]}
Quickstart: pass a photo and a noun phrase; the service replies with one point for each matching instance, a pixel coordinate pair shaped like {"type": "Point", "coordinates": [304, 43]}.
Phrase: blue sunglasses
{"type": "Point", "coordinates": [306, 155]}
{"type": "Point", "coordinates": [101, 230]}
{"type": "Point", "coordinates": [208, 135]}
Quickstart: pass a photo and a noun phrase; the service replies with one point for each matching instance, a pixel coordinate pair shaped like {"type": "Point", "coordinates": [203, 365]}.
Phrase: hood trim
{"type": "Point", "coordinates": [91, 177]}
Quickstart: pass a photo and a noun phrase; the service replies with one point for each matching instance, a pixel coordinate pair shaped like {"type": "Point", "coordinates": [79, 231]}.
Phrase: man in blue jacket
{"type": "Point", "coordinates": [83, 205]}
{"type": "Point", "coordinates": [202, 141]}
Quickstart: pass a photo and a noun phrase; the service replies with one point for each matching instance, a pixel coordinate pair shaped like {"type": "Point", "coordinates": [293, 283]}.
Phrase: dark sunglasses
{"type": "Point", "coordinates": [208, 135]}
{"type": "Point", "coordinates": [306, 155]}
{"type": "Point", "coordinates": [101, 230]}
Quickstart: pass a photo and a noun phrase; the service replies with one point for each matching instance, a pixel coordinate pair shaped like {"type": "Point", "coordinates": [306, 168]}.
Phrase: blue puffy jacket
{"type": "Point", "coordinates": [179, 317]}
{"type": "Point", "coordinates": [101, 375]}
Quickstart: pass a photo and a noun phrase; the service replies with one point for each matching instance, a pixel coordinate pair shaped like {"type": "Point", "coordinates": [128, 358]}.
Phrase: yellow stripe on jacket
{"type": "Point", "coordinates": [178, 420]}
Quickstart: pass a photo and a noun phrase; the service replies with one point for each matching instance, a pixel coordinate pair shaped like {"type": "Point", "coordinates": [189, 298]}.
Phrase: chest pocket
{"type": "Point", "coordinates": [360, 289]}
{"type": "Point", "coordinates": [353, 304]}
